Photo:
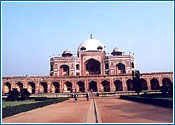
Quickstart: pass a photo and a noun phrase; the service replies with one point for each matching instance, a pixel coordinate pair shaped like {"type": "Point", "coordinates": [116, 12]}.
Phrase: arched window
{"type": "Point", "coordinates": [132, 65]}
{"type": "Point", "coordinates": [120, 68]}
{"type": "Point", "coordinates": [64, 70]}
{"type": "Point", "coordinates": [78, 67]}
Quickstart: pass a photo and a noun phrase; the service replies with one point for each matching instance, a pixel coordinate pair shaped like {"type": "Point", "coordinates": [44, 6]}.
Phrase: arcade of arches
{"type": "Point", "coordinates": [98, 84]}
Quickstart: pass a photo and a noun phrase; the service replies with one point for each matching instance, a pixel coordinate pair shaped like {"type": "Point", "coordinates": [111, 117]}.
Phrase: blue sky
{"type": "Point", "coordinates": [34, 31]}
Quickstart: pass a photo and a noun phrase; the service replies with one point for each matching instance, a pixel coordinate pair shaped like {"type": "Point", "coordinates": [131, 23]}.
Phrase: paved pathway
{"type": "Point", "coordinates": [121, 111]}
{"type": "Point", "coordinates": [64, 112]}
{"type": "Point", "coordinates": [107, 110]}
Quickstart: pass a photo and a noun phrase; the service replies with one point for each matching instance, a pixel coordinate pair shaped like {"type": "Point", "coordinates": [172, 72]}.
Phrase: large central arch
{"type": "Point", "coordinates": [92, 67]}
{"type": "Point", "coordinates": [93, 86]}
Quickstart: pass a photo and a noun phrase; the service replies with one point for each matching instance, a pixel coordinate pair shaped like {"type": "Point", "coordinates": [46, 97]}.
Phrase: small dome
{"type": "Point", "coordinates": [67, 53]}
{"type": "Point", "coordinates": [91, 45]}
{"type": "Point", "coordinates": [116, 50]}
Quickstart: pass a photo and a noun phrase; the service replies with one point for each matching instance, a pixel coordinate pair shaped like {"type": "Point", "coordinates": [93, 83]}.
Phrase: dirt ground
{"type": "Point", "coordinates": [121, 111]}
{"type": "Point", "coordinates": [64, 112]}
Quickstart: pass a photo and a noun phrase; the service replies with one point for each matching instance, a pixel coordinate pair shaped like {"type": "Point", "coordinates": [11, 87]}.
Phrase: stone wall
{"type": "Point", "coordinates": [103, 83]}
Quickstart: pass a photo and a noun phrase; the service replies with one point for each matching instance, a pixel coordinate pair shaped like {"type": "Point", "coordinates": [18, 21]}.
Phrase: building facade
{"type": "Point", "coordinates": [92, 69]}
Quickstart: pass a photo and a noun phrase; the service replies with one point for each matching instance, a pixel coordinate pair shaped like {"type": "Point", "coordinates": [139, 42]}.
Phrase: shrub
{"type": "Point", "coordinates": [164, 89]}
{"type": "Point", "coordinates": [170, 90]}
{"type": "Point", "coordinates": [25, 94]}
{"type": "Point", "coordinates": [13, 95]}
{"type": "Point", "coordinates": [12, 110]}
{"type": "Point", "coordinates": [41, 98]}
{"type": "Point", "coordinates": [155, 101]}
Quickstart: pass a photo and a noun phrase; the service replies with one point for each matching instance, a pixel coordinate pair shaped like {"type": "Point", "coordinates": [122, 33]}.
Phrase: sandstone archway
{"type": "Point", "coordinates": [67, 86]}
{"type": "Point", "coordinates": [167, 82]}
{"type": "Point", "coordinates": [7, 87]}
{"type": "Point", "coordinates": [154, 84]}
{"type": "Point", "coordinates": [120, 68]}
{"type": "Point", "coordinates": [19, 86]}
{"type": "Point", "coordinates": [31, 87]}
{"type": "Point", "coordinates": [64, 70]}
{"type": "Point", "coordinates": [81, 86]}
{"type": "Point", "coordinates": [106, 86]}
{"type": "Point", "coordinates": [130, 85]}
{"type": "Point", "coordinates": [118, 85]}
{"type": "Point", "coordinates": [144, 84]}
{"type": "Point", "coordinates": [93, 86]}
{"type": "Point", "coordinates": [43, 87]}
{"type": "Point", "coordinates": [55, 87]}
{"type": "Point", "coordinates": [92, 67]}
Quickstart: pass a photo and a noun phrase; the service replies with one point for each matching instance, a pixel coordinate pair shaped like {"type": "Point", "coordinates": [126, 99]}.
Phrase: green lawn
{"type": "Point", "coordinates": [155, 99]}
{"type": "Point", "coordinates": [13, 103]}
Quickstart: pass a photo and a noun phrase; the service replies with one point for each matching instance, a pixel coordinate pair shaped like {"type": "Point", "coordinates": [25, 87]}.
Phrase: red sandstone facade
{"type": "Point", "coordinates": [91, 70]}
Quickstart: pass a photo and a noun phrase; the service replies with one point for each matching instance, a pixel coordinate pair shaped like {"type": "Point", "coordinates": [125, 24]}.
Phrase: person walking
{"type": "Point", "coordinates": [87, 96]}
{"type": "Point", "coordinates": [75, 97]}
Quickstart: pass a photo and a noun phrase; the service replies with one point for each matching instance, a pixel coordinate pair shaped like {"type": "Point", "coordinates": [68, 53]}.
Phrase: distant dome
{"type": "Point", "coordinates": [67, 53]}
{"type": "Point", "coordinates": [116, 50]}
{"type": "Point", "coordinates": [91, 45]}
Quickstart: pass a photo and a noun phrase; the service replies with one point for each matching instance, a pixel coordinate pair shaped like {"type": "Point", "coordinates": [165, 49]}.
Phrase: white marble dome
{"type": "Point", "coordinates": [91, 45]}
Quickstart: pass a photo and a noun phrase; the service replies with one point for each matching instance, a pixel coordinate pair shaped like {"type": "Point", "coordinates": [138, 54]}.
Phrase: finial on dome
{"type": "Point", "coordinates": [91, 36]}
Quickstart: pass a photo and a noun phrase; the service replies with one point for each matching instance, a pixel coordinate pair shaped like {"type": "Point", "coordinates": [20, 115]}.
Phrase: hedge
{"type": "Point", "coordinates": [155, 101]}
{"type": "Point", "coordinates": [12, 110]}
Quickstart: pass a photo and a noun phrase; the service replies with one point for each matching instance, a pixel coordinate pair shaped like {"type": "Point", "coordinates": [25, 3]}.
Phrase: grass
{"type": "Point", "coordinates": [14, 107]}
{"type": "Point", "coordinates": [14, 103]}
{"type": "Point", "coordinates": [157, 96]}
{"type": "Point", "coordinates": [155, 99]}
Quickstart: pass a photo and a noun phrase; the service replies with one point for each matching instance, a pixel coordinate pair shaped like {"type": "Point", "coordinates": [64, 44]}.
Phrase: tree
{"type": "Point", "coordinates": [164, 89]}
{"type": "Point", "coordinates": [137, 81]}
{"type": "Point", "coordinates": [13, 95]}
{"type": "Point", "coordinates": [170, 90]}
{"type": "Point", "coordinates": [25, 94]}
{"type": "Point", "coordinates": [16, 95]}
